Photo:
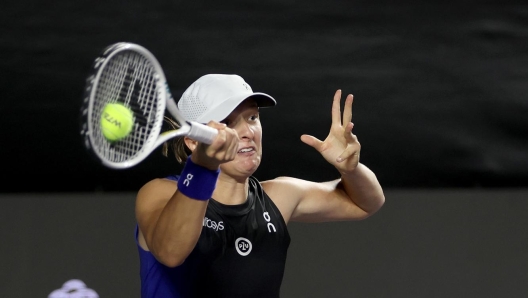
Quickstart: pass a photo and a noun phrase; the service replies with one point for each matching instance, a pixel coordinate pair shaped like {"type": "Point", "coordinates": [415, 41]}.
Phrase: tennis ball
{"type": "Point", "coordinates": [116, 121]}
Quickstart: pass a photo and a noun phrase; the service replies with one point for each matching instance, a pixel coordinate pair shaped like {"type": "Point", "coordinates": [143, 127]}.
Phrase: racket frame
{"type": "Point", "coordinates": [165, 102]}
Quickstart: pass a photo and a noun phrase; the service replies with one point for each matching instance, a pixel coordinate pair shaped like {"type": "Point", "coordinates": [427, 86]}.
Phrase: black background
{"type": "Point", "coordinates": [440, 88]}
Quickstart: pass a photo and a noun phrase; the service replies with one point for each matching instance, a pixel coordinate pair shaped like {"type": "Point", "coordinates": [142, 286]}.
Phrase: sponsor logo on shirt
{"type": "Point", "coordinates": [211, 224]}
{"type": "Point", "coordinates": [271, 227]}
{"type": "Point", "coordinates": [243, 246]}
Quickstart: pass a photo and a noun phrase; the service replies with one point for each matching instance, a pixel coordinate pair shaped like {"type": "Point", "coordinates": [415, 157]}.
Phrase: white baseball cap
{"type": "Point", "coordinates": [215, 96]}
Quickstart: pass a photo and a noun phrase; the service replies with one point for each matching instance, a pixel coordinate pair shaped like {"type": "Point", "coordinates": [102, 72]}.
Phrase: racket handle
{"type": "Point", "coordinates": [202, 133]}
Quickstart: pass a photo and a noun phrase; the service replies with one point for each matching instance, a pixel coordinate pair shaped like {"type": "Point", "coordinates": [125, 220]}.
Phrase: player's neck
{"type": "Point", "coordinates": [230, 191]}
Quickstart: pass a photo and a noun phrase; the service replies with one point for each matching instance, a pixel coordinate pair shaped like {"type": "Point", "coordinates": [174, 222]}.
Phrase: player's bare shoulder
{"type": "Point", "coordinates": [156, 191]}
{"type": "Point", "coordinates": [285, 192]}
{"type": "Point", "coordinates": [284, 185]}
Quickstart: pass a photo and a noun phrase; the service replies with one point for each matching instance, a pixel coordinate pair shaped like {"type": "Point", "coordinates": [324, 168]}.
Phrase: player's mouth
{"type": "Point", "coordinates": [247, 150]}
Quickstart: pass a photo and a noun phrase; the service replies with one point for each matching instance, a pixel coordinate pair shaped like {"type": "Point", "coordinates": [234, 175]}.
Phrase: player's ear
{"type": "Point", "coordinates": [190, 143]}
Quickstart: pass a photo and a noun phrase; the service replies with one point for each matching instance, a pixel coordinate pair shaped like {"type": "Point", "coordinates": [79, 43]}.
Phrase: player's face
{"type": "Point", "coordinates": [245, 120]}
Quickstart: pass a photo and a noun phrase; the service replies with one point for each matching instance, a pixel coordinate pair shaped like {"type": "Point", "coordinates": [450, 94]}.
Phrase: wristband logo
{"type": "Point", "coordinates": [188, 179]}
{"type": "Point", "coordinates": [243, 246]}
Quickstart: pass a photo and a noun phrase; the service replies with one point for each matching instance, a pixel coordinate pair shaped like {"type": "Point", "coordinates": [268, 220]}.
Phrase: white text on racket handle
{"type": "Point", "coordinates": [202, 133]}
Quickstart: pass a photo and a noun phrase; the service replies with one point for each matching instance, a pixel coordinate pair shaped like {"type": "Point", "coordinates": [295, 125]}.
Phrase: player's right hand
{"type": "Point", "coordinates": [223, 148]}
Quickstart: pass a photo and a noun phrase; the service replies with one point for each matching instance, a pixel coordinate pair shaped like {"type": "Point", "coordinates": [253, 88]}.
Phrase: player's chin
{"type": "Point", "coordinates": [249, 162]}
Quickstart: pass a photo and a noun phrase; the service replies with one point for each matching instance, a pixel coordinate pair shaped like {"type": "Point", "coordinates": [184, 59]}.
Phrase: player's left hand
{"type": "Point", "coordinates": [341, 147]}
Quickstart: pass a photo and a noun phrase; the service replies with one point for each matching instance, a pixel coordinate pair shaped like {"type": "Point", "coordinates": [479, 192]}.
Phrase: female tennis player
{"type": "Point", "coordinates": [214, 230]}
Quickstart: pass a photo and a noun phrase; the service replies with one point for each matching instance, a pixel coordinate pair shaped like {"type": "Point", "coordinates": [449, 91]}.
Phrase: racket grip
{"type": "Point", "coordinates": [202, 133]}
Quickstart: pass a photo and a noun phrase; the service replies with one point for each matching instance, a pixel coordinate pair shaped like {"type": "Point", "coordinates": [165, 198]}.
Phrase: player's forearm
{"type": "Point", "coordinates": [364, 189]}
{"type": "Point", "coordinates": [178, 229]}
{"type": "Point", "coordinates": [181, 221]}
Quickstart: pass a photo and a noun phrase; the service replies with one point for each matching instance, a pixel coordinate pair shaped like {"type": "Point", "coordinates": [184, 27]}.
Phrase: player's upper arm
{"type": "Point", "coordinates": [307, 201]}
{"type": "Point", "coordinates": [150, 201]}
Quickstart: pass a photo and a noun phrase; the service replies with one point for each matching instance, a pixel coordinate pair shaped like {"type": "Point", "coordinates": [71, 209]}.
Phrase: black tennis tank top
{"type": "Point", "coordinates": [241, 252]}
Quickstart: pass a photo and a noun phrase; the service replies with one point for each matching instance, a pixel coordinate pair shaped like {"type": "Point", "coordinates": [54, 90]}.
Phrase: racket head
{"type": "Point", "coordinates": [128, 74]}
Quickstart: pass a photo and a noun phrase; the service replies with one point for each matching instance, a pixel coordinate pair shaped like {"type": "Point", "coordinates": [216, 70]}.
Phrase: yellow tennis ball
{"type": "Point", "coordinates": [116, 121]}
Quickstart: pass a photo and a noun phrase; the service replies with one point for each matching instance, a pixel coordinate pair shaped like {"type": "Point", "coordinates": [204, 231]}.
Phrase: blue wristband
{"type": "Point", "coordinates": [197, 182]}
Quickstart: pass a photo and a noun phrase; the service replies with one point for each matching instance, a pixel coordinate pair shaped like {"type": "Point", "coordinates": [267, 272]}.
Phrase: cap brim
{"type": "Point", "coordinates": [263, 100]}
{"type": "Point", "coordinates": [221, 112]}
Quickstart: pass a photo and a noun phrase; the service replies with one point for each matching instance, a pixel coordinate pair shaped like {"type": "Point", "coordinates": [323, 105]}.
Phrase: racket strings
{"type": "Point", "coordinates": [129, 79]}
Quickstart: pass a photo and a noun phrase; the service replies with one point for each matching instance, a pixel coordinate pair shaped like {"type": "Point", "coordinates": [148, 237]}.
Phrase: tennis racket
{"type": "Point", "coordinates": [128, 74]}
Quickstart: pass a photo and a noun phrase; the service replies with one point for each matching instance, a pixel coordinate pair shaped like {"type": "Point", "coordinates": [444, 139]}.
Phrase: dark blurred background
{"type": "Point", "coordinates": [440, 110]}
{"type": "Point", "coordinates": [440, 88]}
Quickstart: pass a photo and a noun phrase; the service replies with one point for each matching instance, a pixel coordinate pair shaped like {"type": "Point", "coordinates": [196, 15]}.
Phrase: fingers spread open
{"type": "Point", "coordinates": [312, 141]}
{"type": "Point", "coordinates": [336, 108]}
{"type": "Point", "coordinates": [347, 113]}
{"type": "Point", "coordinates": [349, 136]}
{"type": "Point", "coordinates": [350, 152]}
